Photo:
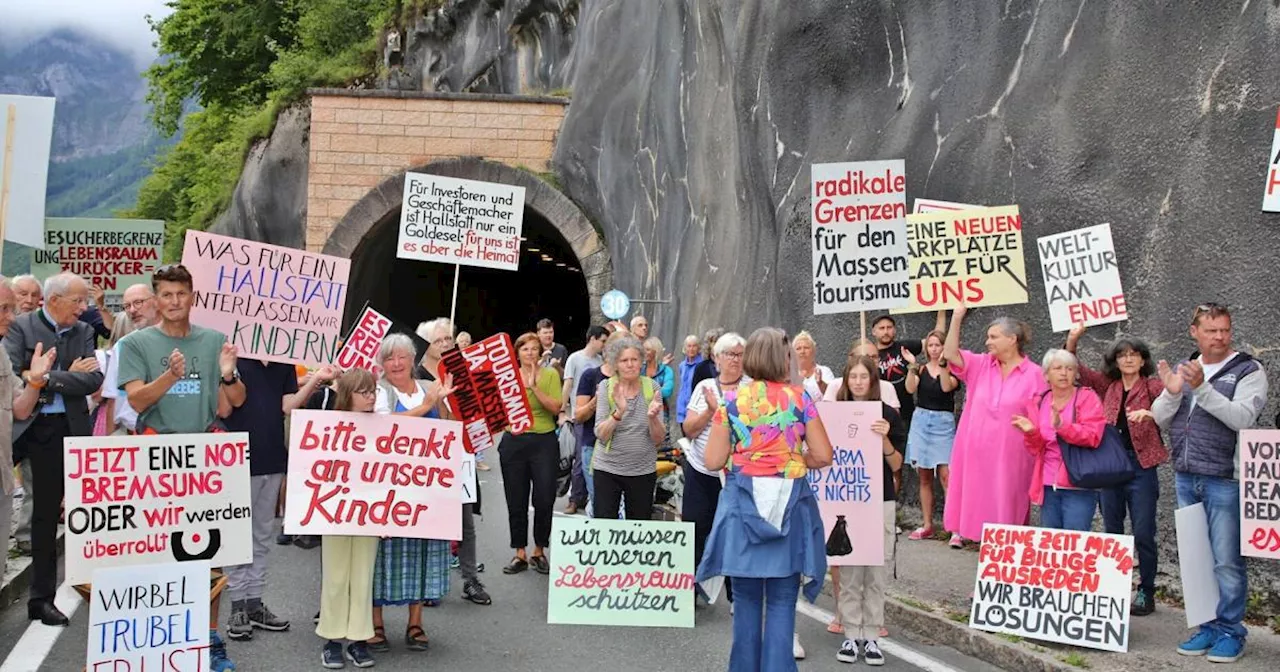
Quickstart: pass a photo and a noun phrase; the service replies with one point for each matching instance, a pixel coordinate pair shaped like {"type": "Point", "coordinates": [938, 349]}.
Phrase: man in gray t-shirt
{"type": "Point", "coordinates": [586, 358]}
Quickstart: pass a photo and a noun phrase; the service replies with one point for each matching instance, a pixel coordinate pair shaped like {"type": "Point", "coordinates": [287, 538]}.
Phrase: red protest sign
{"type": "Point", "coordinates": [488, 396]}
{"type": "Point", "coordinates": [360, 351]}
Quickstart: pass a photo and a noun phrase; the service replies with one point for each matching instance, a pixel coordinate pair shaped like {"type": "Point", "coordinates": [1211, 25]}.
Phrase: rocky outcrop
{"type": "Point", "coordinates": [270, 200]}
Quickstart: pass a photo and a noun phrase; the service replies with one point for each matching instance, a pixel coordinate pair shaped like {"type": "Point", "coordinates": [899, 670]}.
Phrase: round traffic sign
{"type": "Point", "coordinates": [614, 304]}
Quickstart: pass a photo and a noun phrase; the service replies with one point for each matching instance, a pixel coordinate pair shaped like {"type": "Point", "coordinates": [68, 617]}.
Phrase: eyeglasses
{"type": "Point", "coordinates": [136, 304]}
{"type": "Point", "coordinates": [367, 393]}
{"type": "Point", "coordinates": [729, 354]}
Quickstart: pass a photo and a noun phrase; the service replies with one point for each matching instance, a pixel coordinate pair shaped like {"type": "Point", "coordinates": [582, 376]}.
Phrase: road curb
{"type": "Point", "coordinates": [959, 636]}
{"type": "Point", "coordinates": [16, 583]}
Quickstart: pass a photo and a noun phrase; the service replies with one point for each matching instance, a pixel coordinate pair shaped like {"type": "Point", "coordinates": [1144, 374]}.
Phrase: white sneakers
{"type": "Point", "coordinates": [796, 649]}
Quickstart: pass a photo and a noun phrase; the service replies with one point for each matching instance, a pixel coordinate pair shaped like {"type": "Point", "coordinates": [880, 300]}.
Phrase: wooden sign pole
{"type": "Point", "coordinates": [6, 176]}
{"type": "Point", "coordinates": [862, 320]}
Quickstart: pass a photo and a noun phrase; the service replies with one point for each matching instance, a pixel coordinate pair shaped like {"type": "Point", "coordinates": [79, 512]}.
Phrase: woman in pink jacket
{"type": "Point", "coordinates": [1067, 413]}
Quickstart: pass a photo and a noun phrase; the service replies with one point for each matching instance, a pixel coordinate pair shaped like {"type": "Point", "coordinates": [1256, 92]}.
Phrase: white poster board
{"type": "Point", "coordinates": [1195, 565]}
{"type": "Point", "coordinates": [1082, 277]}
{"type": "Point", "coordinates": [924, 205]}
{"type": "Point", "coordinates": [1271, 195]}
{"type": "Point", "coordinates": [24, 165]}
{"type": "Point", "coordinates": [452, 221]}
{"type": "Point", "coordinates": [149, 617]}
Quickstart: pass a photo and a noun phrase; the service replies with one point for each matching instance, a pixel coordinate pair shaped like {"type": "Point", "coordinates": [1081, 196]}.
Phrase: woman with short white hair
{"type": "Point", "coordinates": [816, 376]}
{"type": "Point", "coordinates": [1064, 413]}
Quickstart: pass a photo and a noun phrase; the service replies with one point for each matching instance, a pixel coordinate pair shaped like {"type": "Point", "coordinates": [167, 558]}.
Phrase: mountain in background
{"type": "Point", "coordinates": [103, 141]}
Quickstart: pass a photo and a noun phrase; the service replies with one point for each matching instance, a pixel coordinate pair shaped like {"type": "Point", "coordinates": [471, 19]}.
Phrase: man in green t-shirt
{"type": "Point", "coordinates": [181, 378]}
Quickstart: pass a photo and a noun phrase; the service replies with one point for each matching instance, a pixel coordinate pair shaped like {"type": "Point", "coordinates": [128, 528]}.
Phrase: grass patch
{"type": "Point", "coordinates": [957, 616]}
{"type": "Point", "coordinates": [1037, 648]}
{"type": "Point", "coordinates": [1009, 638]}
{"type": "Point", "coordinates": [1075, 660]}
{"type": "Point", "coordinates": [563, 92]}
{"type": "Point", "coordinates": [914, 603]}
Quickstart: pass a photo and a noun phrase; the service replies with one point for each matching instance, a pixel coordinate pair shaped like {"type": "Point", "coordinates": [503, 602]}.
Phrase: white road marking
{"type": "Point", "coordinates": [922, 661]}
{"type": "Point", "coordinates": [38, 640]}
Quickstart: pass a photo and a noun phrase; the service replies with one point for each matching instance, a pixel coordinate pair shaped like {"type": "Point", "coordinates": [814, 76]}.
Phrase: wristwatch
{"type": "Point", "coordinates": [235, 376]}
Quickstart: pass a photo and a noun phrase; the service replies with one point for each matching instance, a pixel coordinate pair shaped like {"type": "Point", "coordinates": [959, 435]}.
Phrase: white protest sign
{"type": "Point", "coordinates": [1195, 565]}
{"type": "Point", "coordinates": [149, 617]}
{"type": "Point", "coordinates": [858, 214]}
{"type": "Point", "coordinates": [1082, 278]}
{"type": "Point", "coordinates": [453, 221]}
{"type": "Point", "coordinates": [468, 478]}
{"type": "Point", "coordinates": [923, 205]}
{"type": "Point", "coordinates": [1271, 196]}
{"type": "Point", "coordinates": [26, 135]}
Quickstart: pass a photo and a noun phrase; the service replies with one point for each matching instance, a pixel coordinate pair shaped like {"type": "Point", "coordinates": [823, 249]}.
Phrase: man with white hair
{"type": "Point", "coordinates": [139, 313]}
{"type": "Point", "coordinates": [27, 291]}
{"type": "Point", "coordinates": [640, 327]}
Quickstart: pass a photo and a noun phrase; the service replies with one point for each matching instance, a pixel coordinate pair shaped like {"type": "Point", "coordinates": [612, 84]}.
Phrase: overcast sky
{"type": "Point", "coordinates": [121, 22]}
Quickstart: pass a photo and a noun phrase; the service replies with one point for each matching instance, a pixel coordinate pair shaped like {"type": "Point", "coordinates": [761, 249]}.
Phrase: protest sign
{"type": "Point", "coordinates": [1260, 493]}
{"type": "Point", "coordinates": [1082, 278]}
{"type": "Point", "coordinates": [361, 345]}
{"type": "Point", "coordinates": [1271, 196]}
{"type": "Point", "coordinates": [621, 572]}
{"type": "Point", "coordinates": [468, 479]}
{"type": "Point", "coordinates": [156, 498]}
{"type": "Point", "coordinates": [1054, 585]}
{"type": "Point", "coordinates": [972, 257]}
{"type": "Point", "coordinates": [149, 618]}
{"type": "Point", "coordinates": [374, 475]}
{"type": "Point", "coordinates": [110, 253]}
{"type": "Point", "coordinates": [850, 492]}
{"type": "Point", "coordinates": [26, 136]}
{"type": "Point", "coordinates": [488, 397]}
{"type": "Point", "coordinates": [277, 304]}
{"type": "Point", "coordinates": [453, 221]}
{"type": "Point", "coordinates": [859, 235]}
{"type": "Point", "coordinates": [928, 205]}
{"type": "Point", "coordinates": [1195, 565]}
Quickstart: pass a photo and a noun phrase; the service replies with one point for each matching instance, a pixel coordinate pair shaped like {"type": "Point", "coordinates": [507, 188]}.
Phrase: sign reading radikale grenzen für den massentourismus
{"type": "Point", "coordinates": [453, 221]}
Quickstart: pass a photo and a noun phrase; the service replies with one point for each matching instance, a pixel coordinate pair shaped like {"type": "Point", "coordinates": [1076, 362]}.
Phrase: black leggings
{"type": "Point", "coordinates": [610, 488]}
{"type": "Point", "coordinates": [529, 459]}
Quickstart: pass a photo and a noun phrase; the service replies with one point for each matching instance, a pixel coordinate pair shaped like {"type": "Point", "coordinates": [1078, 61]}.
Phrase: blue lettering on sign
{"type": "Point", "coordinates": [846, 480]}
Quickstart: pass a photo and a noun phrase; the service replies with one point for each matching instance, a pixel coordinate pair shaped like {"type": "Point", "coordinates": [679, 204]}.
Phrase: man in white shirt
{"type": "Point", "coordinates": [580, 361]}
{"type": "Point", "coordinates": [139, 303]}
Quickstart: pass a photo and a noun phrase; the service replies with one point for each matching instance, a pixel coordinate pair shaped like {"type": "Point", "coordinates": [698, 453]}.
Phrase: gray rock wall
{"type": "Point", "coordinates": [269, 203]}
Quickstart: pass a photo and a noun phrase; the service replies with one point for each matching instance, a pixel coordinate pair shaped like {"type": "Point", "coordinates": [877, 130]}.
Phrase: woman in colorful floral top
{"type": "Point", "coordinates": [767, 533]}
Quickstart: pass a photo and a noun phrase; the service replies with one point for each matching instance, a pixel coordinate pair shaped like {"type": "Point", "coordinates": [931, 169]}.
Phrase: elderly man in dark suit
{"type": "Point", "coordinates": [62, 410]}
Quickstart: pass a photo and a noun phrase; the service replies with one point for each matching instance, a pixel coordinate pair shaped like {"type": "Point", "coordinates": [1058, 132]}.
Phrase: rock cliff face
{"type": "Point", "coordinates": [270, 201]}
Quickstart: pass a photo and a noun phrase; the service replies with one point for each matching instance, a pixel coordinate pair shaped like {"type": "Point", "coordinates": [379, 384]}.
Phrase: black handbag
{"type": "Point", "coordinates": [1106, 466]}
{"type": "Point", "coordinates": [838, 543]}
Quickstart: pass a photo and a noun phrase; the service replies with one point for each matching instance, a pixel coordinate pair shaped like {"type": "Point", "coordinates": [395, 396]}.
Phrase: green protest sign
{"type": "Point", "coordinates": [621, 572]}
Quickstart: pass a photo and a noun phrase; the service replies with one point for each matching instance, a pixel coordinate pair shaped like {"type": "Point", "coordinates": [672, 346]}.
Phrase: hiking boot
{"type": "Point", "coordinates": [238, 626]}
{"type": "Point", "coordinates": [473, 591]}
{"type": "Point", "coordinates": [1143, 604]}
{"type": "Point", "coordinates": [358, 654]}
{"type": "Point", "coordinates": [331, 656]}
{"type": "Point", "coordinates": [218, 660]}
{"type": "Point", "coordinates": [264, 619]}
{"type": "Point", "coordinates": [1227, 649]}
{"type": "Point", "coordinates": [848, 652]}
{"type": "Point", "coordinates": [871, 653]}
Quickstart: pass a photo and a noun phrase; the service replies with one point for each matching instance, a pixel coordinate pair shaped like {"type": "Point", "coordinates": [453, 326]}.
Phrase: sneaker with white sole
{"type": "Point", "coordinates": [796, 649]}
{"type": "Point", "coordinates": [264, 619]}
{"type": "Point", "coordinates": [871, 653]}
{"type": "Point", "coordinates": [358, 654]}
{"type": "Point", "coordinates": [238, 626]}
{"type": "Point", "coordinates": [331, 656]}
{"type": "Point", "coordinates": [848, 652]}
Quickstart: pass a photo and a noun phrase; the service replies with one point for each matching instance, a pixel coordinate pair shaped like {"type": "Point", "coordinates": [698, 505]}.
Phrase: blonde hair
{"type": "Point", "coordinates": [767, 355]}
{"type": "Point", "coordinates": [805, 337]}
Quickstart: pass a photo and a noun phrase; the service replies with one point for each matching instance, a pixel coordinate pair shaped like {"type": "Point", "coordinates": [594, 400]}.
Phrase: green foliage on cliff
{"type": "Point", "coordinates": [242, 62]}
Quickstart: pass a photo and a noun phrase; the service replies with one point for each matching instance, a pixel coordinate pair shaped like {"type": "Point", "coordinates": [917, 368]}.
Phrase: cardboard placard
{"type": "Point", "coordinates": [1195, 565]}
{"type": "Point", "coordinates": [453, 221]}
{"type": "Point", "coordinates": [156, 498]}
{"type": "Point", "coordinates": [1271, 195]}
{"type": "Point", "coordinates": [113, 254]}
{"type": "Point", "coordinates": [851, 490]}
{"type": "Point", "coordinates": [469, 482]}
{"type": "Point", "coordinates": [1260, 493]}
{"type": "Point", "coordinates": [972, 257]}
{"type": "Point", "coordinates": [374, 475]}
{"type": "Point", "coordinates": [858, 218]}
{"type": "Point", "coordinates": [488, 397]}
{"type": "Point", "coordinates": [621, 572]}
{"type": "Point", "coordinates": [361, 344]}
{"type": "Point", "coordinates": [24, 166]}
{"type": "Point", "coordinates": [1082, 277]}
{"type": "Point", "coordinates": [1054, 585]}
{"type": "Point", "coordinates": [149, 617]}
{"type": "Point", "coordinates": [277, 304]}
{"type": "Point", "coordinates": [928, 205]}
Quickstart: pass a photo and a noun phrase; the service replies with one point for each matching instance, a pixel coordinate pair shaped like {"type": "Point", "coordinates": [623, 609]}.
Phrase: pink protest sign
{"type": "Point", "coordinates": [372, 475]}
{"type": "Point", "coordinates": [850, 492]}
{"type": "Point", "coordinates": [277, 304]}
{"type": "Point", "coordinates": [1260, 493]}
{"type": "Point", "coordinates": [360, 351]}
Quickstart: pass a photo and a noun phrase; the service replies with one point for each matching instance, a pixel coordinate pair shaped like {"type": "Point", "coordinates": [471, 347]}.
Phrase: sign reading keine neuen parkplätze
{"type": "Point", "coordinates": [453, 221]}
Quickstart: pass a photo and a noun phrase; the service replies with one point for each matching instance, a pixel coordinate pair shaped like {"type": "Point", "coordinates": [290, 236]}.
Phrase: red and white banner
{"type": "Point", "coordinates": [360, 351]}
{"type": "Point", "coordinates": [489, 397]}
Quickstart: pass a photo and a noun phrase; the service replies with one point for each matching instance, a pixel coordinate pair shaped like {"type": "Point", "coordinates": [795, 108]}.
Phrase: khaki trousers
{"type": "Point", "coordinates": [346, 588]}
{"type": "Point", "coordinates": [862, 588]}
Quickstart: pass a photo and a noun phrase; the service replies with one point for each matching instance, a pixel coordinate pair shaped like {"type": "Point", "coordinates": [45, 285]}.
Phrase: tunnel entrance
{"type": "Point", "coordinates": [564, 266]}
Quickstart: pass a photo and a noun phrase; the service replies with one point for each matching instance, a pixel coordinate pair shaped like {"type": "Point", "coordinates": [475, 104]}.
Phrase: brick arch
{"type": "Point", "coordinates": [593, 256]}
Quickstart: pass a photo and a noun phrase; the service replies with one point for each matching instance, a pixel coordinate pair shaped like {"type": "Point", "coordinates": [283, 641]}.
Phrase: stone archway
{"type": "Point", "coordinates": [362, 231]}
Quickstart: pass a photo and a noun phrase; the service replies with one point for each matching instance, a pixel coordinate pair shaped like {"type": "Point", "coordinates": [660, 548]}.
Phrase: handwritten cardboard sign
{"type": "Point", "coordinates": [858, 217]}
{"type": "Point", "coordinates": [1271, 195]}
{"type": "Point", "coordinates": [110, 253]}
{"type": "Point", "coordinates": [453, 221]}
{"type": "Point", "coordinates": [277, 304]}
{"type": "Point", "coordinates": [149, 618]}
{"type": "Point", "coordinates": [850, 492]}
{"type": "Point", "coordinates": [373, 475]}
{"type": "Point", "coordinates": [1054, 585]}
{"type": "Point", "coordinates": [1260, 493]}
{"type": "Point", "coordinates": [360, 347]}
{"type": "Point", "coordinates": [1082, 277]}
{"type": "Point", "coordinates": [489, 397]}
{"type": "Point", "coordinates": [148, 499]}
{"type": "Point", "coordinates": [26, 130]}
{"type": "Point", "coordinates": [621, 572]}
{"type": "Point", "coordinates": [972, 257]}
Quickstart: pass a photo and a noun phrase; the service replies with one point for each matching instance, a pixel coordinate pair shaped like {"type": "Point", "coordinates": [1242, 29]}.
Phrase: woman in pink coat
{"type": "Point", "coordinates": [1072, 414]}
{"type": "Point", "coordinates": [990, 467]}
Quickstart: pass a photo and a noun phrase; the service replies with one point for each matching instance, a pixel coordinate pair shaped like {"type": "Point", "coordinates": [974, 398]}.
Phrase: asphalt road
{"type": "Point", "coordinates": [510, 634]}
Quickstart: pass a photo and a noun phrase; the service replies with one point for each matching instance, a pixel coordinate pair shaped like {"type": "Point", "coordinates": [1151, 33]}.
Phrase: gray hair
{"type": "Point", "coordinates": [654, 344]}
{"type": "Point", "coordinates": [709, 338]}
{"type": "Point", "coordinates": [393, 342]}
{"type": "Point", "coordinates": [729, 340]}
{"type": "Point", "coordinates": [25, 277]}
{"type": "Point", "coordinates": [804, 337]}
{"type": "Point", "coordinates": [1059, 357]}
{"type": "Point", "coordinates": [1019, 330]}
{"type": "Point", "coordinates": [427, 330]}
{"type": "Point", "coordinates": [614, 350]}
{"type": "Point", "coordinates": [60, 284]}
{"type": "Point", "coordinates": [691, 338]}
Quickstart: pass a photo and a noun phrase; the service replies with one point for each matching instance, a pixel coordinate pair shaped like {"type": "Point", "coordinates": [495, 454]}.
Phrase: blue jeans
{"type": "Point", "coordinates": [1068, 509]}
{"type": "Point", "coordinates": [1221, 499]}
{"type": "Point", "coordinates": [764, 622]}
{"type": "Point", "coordinates": [1138, 499]}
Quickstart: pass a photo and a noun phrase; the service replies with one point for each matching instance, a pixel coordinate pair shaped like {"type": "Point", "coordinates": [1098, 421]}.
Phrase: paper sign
{"type": "Point", "coordinates": [453, 221]}
{"type": "Point", "coordinates": [26, 135]}
{"type": "Point", "coordinates": [850, 492]}
{"type": "Point", "coordinates": [277, 304]}
{"type": "Point", "coordinates": [488, 397]}
{"type": "Point", "coordinates": [1260, 493]}
{"type": "Point", "coordinates": [621, 572]}
{"type": "Point", "coordinates": [113, 254]}
{"type": "Point", "coordinates": [857, 213]}
{"type": "Point", "coordinates": [1054, 585]}
{"type": "Point", "coordinates": [1271, 195]}
{"type": "Point", "coordinates": [149, 618]}
{"type": "Point", "coordinates": [1195, 565]}
{"type": "Point", "coordinates": [374, 475]}
{"type": "Point", "coordinates": [1082, 278]}
{"type": "Point", "coordinates": [468, 481]}
{"type": "Point", "coordinates": [157, 498]}
{"type": "Point", "coordinates": [972, 257]}
{"type": "Point", "coordinates": [361, 345]}
{"type": "Point", "coordinates": [927, 205]}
